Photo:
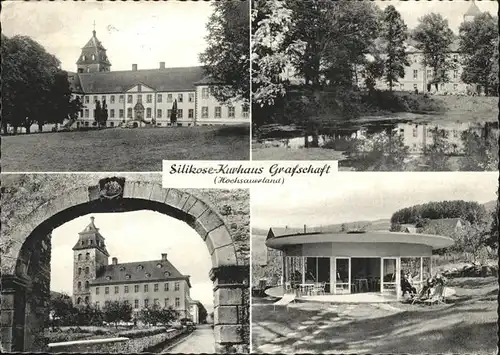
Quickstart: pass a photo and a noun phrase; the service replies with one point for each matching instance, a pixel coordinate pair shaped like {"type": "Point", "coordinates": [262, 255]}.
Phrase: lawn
{"type": "Point", "coordinates": [466, 324]}
{"type": "Point", "coordinates": [140, 149]}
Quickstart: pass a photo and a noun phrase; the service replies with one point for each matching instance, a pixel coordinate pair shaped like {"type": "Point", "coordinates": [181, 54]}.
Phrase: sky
{"type": "Point", "coordinates": [452, 10]}
{"type": "Point", "coordinates": [142, 33]}
{"type": "Point", "coordinates": [361, 196]}
{"type": "Point", "coordinates": [137, 236]}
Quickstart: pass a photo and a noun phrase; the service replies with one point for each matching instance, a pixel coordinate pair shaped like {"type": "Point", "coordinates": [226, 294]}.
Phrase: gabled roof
{"type": "Point", "coordinates": [139, 271]}
{"type": "Point", "coordinates": [90, 238]}
{"type": "Point", "coordinates": [448, 222]}
{"type": "Point", "coordinates": [168, 79]}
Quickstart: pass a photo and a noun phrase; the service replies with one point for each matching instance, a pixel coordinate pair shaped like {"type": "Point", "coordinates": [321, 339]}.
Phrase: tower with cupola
{"type": "Point", "coordinates": [472, 12]}
{"type": "Point", "coordinates": [89, 256]}
{"type": "Point", "coordinates": [93, 57]}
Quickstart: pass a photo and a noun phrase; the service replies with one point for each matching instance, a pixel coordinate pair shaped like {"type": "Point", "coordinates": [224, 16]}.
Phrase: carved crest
{"type": "Point", "coordinates": [111, 188]}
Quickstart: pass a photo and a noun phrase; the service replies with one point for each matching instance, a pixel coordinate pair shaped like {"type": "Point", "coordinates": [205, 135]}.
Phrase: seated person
{"type": "Point", "coordinates": [406, 286]}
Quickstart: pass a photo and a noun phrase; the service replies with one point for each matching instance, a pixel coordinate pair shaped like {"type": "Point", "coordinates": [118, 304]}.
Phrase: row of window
{"type": "Point", "coordinates": [159, 112]}
{"type": "Point", "coordinates": [87, 256]}
{"type": "Point", "coordinates": [418, 59]}
{"type": "Point", "coordinates": [430, 133]}
{"type": "Point", "coordinates": [166, 287]}
{"type": "Point", "coordinates": [149, 98]}
{"type": "Point", "coordinates": [415, 86]}
{"type": "Point", "coordinates": [79, 285]}
{"type": "Point", "coordinates": [429, 74]}
{"type": "Point", "coordinates": [156, 302]}
{"type": "Point", "coordinates": [90, 242]}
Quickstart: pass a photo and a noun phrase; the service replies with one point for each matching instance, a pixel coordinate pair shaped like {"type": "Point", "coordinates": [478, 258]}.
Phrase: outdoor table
{"type": "Point", "coordinates": [362, 284]}
{"type": "Point", "coordinates": [306, 288]}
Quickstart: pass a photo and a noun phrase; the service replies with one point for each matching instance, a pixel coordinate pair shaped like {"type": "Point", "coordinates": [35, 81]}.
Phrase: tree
{"type": "Point", "coordinates": [436, 155]}
{"type": "Point", "coordinates": [434, 38]}
{"type": "Point", "coordinates": [173, 113]}
{"type": "Point", "coordinates": [155, 314]}
{"type": "Point", "coordinates": [227, 57]}
{"type": "Point", "coordinates": [115, 311]}
{"type": "Point", "coordinates": [479, 49]}
{"type": "Point", "coordinates": [75, 105]}
{"type": "Point", "coordinates": [28, 76]}
{"type": "Point", "coordinates": [98, 112]}
{"type": "Point", "coordinates": [60, 308]}
{"type": "Point", "coordinates": [394, 34]}
{"type": "Point", "coordinates": [103, 117]}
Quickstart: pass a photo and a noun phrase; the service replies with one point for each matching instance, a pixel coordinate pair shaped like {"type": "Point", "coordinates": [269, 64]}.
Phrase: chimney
{"type": "Point", "coordinates": [163, 256]}
{"type": "Point", "coordinates": [134, 67]}
{"type": "Point", "coordinates": [114, 261]}
{"type": "Point", "coordinates": [305, 229]}
{"type": "Point", "coordinates": [162, 65]}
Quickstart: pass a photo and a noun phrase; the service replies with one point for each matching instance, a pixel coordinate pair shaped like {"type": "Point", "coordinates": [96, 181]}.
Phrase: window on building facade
{"type": "Point", "coordinates": [180, 97]}
{"type": "Point", "coordinates": [87, 256]}
{"type": "Point", "coordinates": [415, 74]}
{"type": "Point", "coordinates": [158, 113]}
{"type": "Point", "coordinates": [218, 111]}
{"type": "Point", "coordinates": [155, 287]}
{"type": "Point", "coordinates": [159, 98]}
{"type": "Point", "coordinates": [112, 99]}
{"type": "Point", "coordinates": [79, 271]}
{"type": "Point", "coordinates": [191, 97]}
{"type": "Point", "coordinates": [87, 299]}
{"type": "Point", "coordinates": [93, 56]}
{"type": "Point", "coordinates": [95, 99]}
{"type": "Point", "coordinates": [121, 113]}
{"type": "Point", "coordinates": [81, 113]}
{"type": "Point", "coordinates": [86, 99]}
{"type": "Point", "coordinates": [429, 73]}
{"type": "Point", "coordinates": [117, 289]}
{"type": "Point", "coordinates": [169, 112]}
{"type": "Point", "coordinates": [121, 99]}
{"type": "Point", "coordinates": [204, 93]}
{"type": "Point", "coordinates": [179, 113]}
{"type": "Point", "coordinates": [166, 287]}
{"type": "Point", "coordinates": [148, 112]}
{"type": "Point", "coordinates": [136, 304]}
{"type": "Point", "coordinates": [149, 98]}
{"type": "Point", "coordinates": [177, 302]}
{"type": "Point", "coordinates": [127, 277]}
{"type": "Point", "coordinates": [129, 112]}
{"type": "Point", "coordinates": [129, 99]}
{"type": "Point", "coordinates": [87, 285]}
{"type": "Point", "coordinates": [106, 290]}
{"type": "Point", "coordinates": [190, 113]}
{"type": "Point", "coordinates": [79, 285]}
{"type": "Point", "coordinates": [455, 57]}
{"type": "Point", "coordinates": [415, 86]}
{"type": "Point", "coordinates": [125, 289]}
{"type": "Point", "coordinates": [139, 98]}
{"type": "Point", "coordinates": [156, 302]}
{"type": "Point", "coordinates": [87, 270]}
{"type": "Point", "coordinates": [112, 113]}
{"type": "Point", "coordinates": [455, 74]}
{"type": "Point", "coordinates": [97, 290]}
{"type": "Point", "coordinates": [103, 98]}
{"type": "Point", "coordinates": [136, 288]}
{"type": "Point", "coordinates": [204, 112]}
{"type": "Point", "coordinates": [169, 98]}
{"type": "Point", "coordinates": [84, 57]}
{"type": "Point", "coordinates": [245, 109]}
{"type": "Point", "coordinates": [176, 286]}
{"type": "Point", "coordinates": [231, 111]}
{"type": "Point", "coordinates": [146, 288]}
{"type": "Point", "coordinates": [146, 302]}
{"type": "Point", "coordinates": [167, 301]}
{"type": "Point", "coordinates": [415, 132]}
{"type": "Point", "coordinates": [86, 113]}
{"type": "Point", "coordinates": [79, 257]}
{"type": "Point", "coordinates": [97, 305]}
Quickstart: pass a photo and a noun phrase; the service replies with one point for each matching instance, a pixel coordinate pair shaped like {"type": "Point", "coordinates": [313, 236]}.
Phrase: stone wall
{"type": "Point", "coordinates": [129, 346]}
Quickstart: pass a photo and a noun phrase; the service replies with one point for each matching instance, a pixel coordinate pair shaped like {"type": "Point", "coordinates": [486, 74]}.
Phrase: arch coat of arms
{"type": "Point", "coordinates": [111, 188]}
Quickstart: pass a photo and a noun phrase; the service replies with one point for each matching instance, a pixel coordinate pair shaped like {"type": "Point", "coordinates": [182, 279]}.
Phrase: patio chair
{"type": "Point", "coordinates": [285, 301]}
{"type": "Point", "coordinates": [437, 297]}
{"type": "Point", "coordinates": [420, 296]}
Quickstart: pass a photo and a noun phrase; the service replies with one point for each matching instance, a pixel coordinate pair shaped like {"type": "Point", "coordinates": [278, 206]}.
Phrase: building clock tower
{"type": "Point", "coordinates": [89, 256]}
{"type": "Point", "coordinates": [93, 57]}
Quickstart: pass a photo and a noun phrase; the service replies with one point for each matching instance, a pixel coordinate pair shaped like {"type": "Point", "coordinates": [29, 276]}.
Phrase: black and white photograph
{"type": "Point", "coordinates": [376, 85]}
{"type": "Point", "coordinates": [399, 263]}
{"type": "Point", "coordinates": [120, 86]}
{"type": "Point", "coordinates": [118, 264]}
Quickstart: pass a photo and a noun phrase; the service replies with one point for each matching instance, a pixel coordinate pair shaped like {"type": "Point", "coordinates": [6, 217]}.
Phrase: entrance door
{"type": "Point", "coordinates": [342, 276]}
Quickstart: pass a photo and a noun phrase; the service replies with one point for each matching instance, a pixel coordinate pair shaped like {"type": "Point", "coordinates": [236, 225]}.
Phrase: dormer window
{"type": "Point", "coordinates": [139, 267]}
{"type": "Point", "coordinates": [148, 274]}
{"type": "Point", "coordinates": [108, 278]}
{"type": "Point", "coordinates": [122, 268]}
{"type": "Point", "coordinates": [159, 265]}
{"type": "Point", "coordinates": [84, 57]}
{"type": "Point", "coordinates": [93, 56]}
{"type": "Point", "coordinates": [166, 273]}
{"type": "Point", "coordinates": [127, 277]}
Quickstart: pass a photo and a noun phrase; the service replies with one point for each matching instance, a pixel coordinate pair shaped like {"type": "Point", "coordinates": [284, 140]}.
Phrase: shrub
{"type": "Point", "coordinates": [139, 333]}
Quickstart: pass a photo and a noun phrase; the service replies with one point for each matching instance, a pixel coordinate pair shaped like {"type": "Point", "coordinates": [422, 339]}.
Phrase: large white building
{"type": "Point", "coordinates": [148, 95]}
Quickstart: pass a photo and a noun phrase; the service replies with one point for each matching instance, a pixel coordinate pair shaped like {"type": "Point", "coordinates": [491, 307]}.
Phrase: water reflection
{"type": "Point", "coordinates": [416, 136]}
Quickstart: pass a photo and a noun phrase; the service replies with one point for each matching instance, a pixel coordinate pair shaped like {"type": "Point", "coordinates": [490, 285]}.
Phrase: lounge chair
{"type": "Point", "coordinates": [420, 296]}
{"type": "Point", "coordinates": [285, 300]}
{"type": "Point", "coordinates": [437, 296]}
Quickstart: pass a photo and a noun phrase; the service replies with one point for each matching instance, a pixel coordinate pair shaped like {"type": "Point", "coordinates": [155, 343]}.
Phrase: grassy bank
{"type": "Point", "coordinates": [141, 149]}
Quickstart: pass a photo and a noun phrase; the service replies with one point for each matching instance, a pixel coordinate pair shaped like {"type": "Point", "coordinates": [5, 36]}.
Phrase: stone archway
{"type": "Point", "coordinates": [25, 278]}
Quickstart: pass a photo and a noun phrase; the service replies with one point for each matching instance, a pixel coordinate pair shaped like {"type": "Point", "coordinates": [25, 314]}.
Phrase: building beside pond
{"type": "Point", "coordinates": [355, 262]}
{"type": "Point", "coordinates": [140, 283]}
{"type": "Point", "coordinates": [147, 95]}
